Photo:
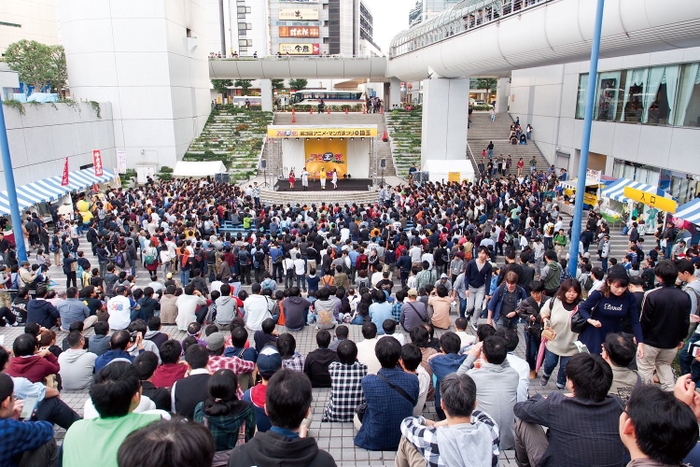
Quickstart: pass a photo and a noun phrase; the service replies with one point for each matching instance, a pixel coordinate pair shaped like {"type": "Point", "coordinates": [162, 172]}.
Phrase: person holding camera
{"type": "Point", "coordinates": [118, 343]}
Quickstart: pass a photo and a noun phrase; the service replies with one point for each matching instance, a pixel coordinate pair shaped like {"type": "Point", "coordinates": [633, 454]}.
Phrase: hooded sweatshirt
{"type": "Point", "coordinates": [295, 309]}
{"type": "Point", "coordinates": [42, 312]}
{"type": "Point", "coordinates": [77, 368]}
{"type": "Point", "coordinates": [275, 449]}
{"type": "Point", "coordinates": [33, 367]}
{"type": "Point", "coordinates": [166, 374]}
{"type": "Point", "coordinates": [226, 308]}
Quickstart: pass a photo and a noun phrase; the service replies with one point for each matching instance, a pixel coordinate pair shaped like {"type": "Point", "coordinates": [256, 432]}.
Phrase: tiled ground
{"type": "Point", "coordinates": [337, 438]}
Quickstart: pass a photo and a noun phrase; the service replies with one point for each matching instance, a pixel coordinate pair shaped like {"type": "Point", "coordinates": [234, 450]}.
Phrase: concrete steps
{"type": "Point", "coordinates": [482, 131]}
{"type": "Point", "coordinates": [328, 196]}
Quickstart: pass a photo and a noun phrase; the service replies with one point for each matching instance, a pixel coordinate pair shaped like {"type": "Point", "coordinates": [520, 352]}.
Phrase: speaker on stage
{"type": "Point", "coordinates": [382, 163]}
{"type": "Point", "coordinates": [263, 163]}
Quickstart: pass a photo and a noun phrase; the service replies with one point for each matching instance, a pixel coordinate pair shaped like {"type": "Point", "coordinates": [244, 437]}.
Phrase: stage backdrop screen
{"type": "Point", "coordinates": [327, 154]}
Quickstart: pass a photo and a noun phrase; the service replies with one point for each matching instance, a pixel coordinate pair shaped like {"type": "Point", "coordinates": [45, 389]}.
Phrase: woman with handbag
{"type": "Point", "coordinates": [613, 308]}
{"type": "Point", "coordinates": [556, 314]}
{"type": "Point", "coordinates": [230, 420]}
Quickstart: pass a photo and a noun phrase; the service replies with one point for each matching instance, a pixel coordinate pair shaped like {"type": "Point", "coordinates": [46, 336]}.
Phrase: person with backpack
{"type": "Point", "coordinates": [503, 306]}
{"type": "Point", "coordinates": [259, 263]}
{"type": "Point", "coordinates": [244, 263]}
{"type": "Point", "coordinates": [150, 258]}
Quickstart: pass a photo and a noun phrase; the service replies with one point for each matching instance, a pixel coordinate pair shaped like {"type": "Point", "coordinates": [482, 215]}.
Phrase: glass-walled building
{"type": "Point", "coordinates": [660, 95]}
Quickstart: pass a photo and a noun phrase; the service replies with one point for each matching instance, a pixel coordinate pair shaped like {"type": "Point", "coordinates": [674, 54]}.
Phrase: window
{"type": "Point", "coordinates": [245, 42]}
{"type": "Point", "coordinates": [581, 102]}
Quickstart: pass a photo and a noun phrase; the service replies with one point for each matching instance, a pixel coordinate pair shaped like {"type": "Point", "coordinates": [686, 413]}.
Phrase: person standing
{"type": "Point", "coordinates": [334, 180]}
{"type": "Point", "coordinates": [322, 176]}
{"type": "Point", "coordinates": [521, 164]}
{"type": "Point", "coordinates": [304, 179]}
{"type": "Point", "coordinates": [478, 276]}
{"type": "Point", "coordinates": [533, 164]}
{"type": "Point", "coordinates": [665, 319]}
{"type": "Point", "coordinates": [493, 114]}
{"type": "Point", "coordinates": [292, 179]}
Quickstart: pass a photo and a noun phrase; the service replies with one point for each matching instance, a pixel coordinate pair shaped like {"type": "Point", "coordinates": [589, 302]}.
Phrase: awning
{"type": "Point", "coordinates": [616, 190]}
{"type": "Point", "coordinates": [50, 189]}
{"type": "Point", "coordinates": [690, 211]}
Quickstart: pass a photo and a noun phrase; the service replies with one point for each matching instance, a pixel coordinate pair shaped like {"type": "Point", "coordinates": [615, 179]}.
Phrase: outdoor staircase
{"type": "Point", "coordinates": [482, 131]}
{"type": "Point", "coordinates": [405, 133]}
{"type": "Point", "coordinates": [383, 149]}
{"type": "Point", "coordinates": [233, 136]}
{"type": "Point", "coordinates": [329, 196]}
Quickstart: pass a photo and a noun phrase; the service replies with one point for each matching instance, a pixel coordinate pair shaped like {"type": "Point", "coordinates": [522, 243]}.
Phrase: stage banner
{"type": "Point", "coordinates": [327, 155]}
{"type": "Point", "coordinates": [454, 177]}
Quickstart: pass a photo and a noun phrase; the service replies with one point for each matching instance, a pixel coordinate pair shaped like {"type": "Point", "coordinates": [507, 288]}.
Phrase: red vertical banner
{"type": "Point", "coordinates": [97, 162]}
{"type": "Point", "coordinates": [64, 178]}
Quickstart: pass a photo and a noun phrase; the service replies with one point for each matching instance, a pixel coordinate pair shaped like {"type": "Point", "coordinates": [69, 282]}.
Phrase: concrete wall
{"type": "Point", "coordinates": [45, 135]}
{"type": "Point", "coordinates": [546, 98]}
{"type": "Point", "coordinates": [37, 19]}
{"type": "Point", "coordinates": [150, 60]}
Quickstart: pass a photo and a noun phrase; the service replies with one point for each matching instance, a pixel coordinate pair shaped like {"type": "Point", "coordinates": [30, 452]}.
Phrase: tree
{"type": "Point", "coordinates": [244, 84]}
{"type": "Point", "coordinates": [38, 64]}
{"type": "Point", "coordinates": [221, 86]}
{"type": "Point", "coordinates": [278, 84]}
{"type": "Point", "coordinates": [298, 84]}
{"type": "Point", "coordinates": [485, 83]}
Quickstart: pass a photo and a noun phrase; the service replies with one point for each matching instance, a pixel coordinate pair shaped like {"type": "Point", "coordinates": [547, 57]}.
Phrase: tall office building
{"type": "Point", "coordinates": [426, 9]}
{"type": "Point", "coordinates": [28, 19]}
{"type": "Point", "coordinates": [237, 26]}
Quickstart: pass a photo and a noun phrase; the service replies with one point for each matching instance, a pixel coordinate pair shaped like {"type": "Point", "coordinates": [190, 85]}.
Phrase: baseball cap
{"type": "Point", "coordinates": [215, 341]}
{"type": "Point", "coordinates": [169, 275]}
{"type": "Point", "coordinates": [412, 293]}
{"type": "Point", "coordinates": [269, 361]}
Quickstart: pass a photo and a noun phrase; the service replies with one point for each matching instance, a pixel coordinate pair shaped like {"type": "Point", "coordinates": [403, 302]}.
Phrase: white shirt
{"type": "Point", "coordinates": [256, 311]}
{"type": "Point", "coordinates": [299, 267]}
{"type": "Point", "coordinates": [186, 307]}
{"type": "Point", "coordinates": [424, 383]}
{"type": "Point", "coordinates": [523, 369]}
{"type": "Point", "coordinates": [119, 308]}
{"type": "Point", "coordinates": [366, 355]}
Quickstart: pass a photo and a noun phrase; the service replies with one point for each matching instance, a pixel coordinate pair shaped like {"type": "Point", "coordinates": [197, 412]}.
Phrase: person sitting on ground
{"type": "Point", "coordinates": [217, 360]}
{"type": "Point", "coordinates": [99, 342]}
{"type": "Point", "coordinates": [167, 443]}
{"type": "Point", "coordinates": [25, 442]}
{"type": "Point", "coordinates": [391, 395]}
{"type": "Point", "coordinates": [139, 327]}
{"type": "Point", "coordinates": [389, 328]}
{"type": "Point", "coordinates": [444, 363]}
{"type": "Point", "coordinates": [515, 362]}
{"type": "Point", "coordinates": [267, 335]}
{"type": "Point", "coordinates": [346, 384]}
{"type": "Point", "coordinates": [288, 404]}
{"type": "Point", "coordinates": [191, 390]}
{"type": "Point", "coordinates": [77, 364]}
{"type": "Point", "coordinates": [291, 359]}
{"type": "Point", "coordinates": [171, 369]}
{"type": "Point", "coordinates": [380, 310]}
{"type": "Point", "coordinates": [72, 309]}
{"type": "Point", "coordinates": [466, 339]}
{"type": "Point", "coordinates": [619, 352]}
{"type": "Point", "coordinates": [365, 348]}
{"type": "Point", "coordinates": [227, 307]}
{"type": "Point", "coordinates": [118, 344]}
{"type": "Point", "coordinates": [296, 309]}
{"type": "Point", "coordinates": [115, 393]}
{"type": "Point", "coordinates": [240, 349]}
{"type": "Point", "coordinates": [30, 362]}
{"type": "Point", "coordinates": [39, 310]}
{"type": "Point", "coordinates": [466, 437]}
{"type": "Point", "coordinates": [317, 361]}
{"type": "Point", "coordinates": [583, 428]}
{"type": "Point", "coordinates": [441, 302]}
{"type": "Point", "coordinates": [224, 414]}
{"type": "Point", "coordinates": [154, 334]}
{"type": "Point", "coordinates": [413, 312]}
{"type": "Point", "coordinates": [341, 334]}
{"type": "Point", "coordinates": [496, 384]}
{"type": "Point", "coordinates": [410, 362]}
{"type": "Point", "coordinates": [146, 364]}
{"type": "Point", "coordinates": [656, 428]}
{"type": "Point", "coordinates": [269, 362]}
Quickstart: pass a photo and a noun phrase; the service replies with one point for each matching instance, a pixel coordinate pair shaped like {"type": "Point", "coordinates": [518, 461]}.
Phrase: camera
{"type": "Point", "coordinates": [133, 335]}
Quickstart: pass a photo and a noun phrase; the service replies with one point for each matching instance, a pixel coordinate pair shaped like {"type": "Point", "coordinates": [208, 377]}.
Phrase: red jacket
{"type": "Point", "coordinates": [166, 374]}
{"type": "Point", "coordinates": [34, 368]}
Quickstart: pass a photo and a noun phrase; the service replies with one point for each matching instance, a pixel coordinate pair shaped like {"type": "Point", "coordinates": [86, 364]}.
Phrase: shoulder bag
{"type": "Point", "coordinates": [403, 393]}
{"type": "Point", "coordinates": [424, 319]}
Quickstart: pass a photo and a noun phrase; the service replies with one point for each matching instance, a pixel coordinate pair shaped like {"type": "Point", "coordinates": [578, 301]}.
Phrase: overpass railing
{"type": "Point", "coordinates": [461, 18]}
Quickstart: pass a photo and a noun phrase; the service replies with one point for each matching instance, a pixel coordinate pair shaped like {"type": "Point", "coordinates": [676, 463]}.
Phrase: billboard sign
{"type": "Point", "coordinates": [299, 31]}
{"type": "Point", "coordinates": [298, 14]}
{"type": "Point", "coordinates": [300, 49]}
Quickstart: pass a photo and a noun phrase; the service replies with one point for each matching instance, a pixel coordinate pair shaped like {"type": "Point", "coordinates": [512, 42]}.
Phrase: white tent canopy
{"type": "Point", "coordinates": [439, 170]}
{"type": "Point", "coordinates": [198, 169]}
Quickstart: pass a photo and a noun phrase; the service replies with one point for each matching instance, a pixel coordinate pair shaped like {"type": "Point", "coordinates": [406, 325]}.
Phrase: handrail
{"type": "Point", "coordinates": [458, 19]}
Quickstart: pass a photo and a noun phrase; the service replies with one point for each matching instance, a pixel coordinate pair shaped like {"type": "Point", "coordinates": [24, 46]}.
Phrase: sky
{"type": "Point", "coordinates": [390, 18]}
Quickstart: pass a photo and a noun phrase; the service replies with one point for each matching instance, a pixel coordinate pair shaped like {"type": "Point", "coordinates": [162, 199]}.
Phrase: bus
{"type": "Point", "coordinates": [239, 101]}
{"type": "Point", "coordinates": [314, 96]}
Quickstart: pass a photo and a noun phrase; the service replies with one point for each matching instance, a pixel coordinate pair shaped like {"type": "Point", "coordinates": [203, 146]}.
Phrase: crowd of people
{"type": "Point", "coordinates": [444, 282]}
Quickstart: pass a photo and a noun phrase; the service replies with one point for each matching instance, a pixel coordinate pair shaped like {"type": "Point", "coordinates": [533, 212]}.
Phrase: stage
{"type": "Point", "coordinates": [344, 184]}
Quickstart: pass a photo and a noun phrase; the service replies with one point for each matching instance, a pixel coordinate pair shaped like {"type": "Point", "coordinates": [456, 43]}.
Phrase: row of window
{"type": "Point", "coordinates": [662, 95]}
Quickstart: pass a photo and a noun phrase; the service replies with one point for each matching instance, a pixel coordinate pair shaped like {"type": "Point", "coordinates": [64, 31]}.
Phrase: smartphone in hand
{"type": "Point", "coordinates": [28, 408]}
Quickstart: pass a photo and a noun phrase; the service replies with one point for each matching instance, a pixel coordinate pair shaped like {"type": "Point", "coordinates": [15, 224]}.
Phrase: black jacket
{"type": "Point", "coordinates": [316, 367]}
{"type": "Point", "coordinates": [274, 449]}
{"type": "Point", "coordinates": [665, 317]}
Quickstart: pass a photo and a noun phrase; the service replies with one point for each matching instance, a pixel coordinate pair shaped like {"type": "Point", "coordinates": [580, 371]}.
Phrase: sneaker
{"type": "Point", "coordinates": [474, 326]}
{"type": "Point", "coordinates": [533, 374]}
{"type": "Point", "coordinates": [560, 386]}
{"type": "Point", "coordinates": [544, 380]}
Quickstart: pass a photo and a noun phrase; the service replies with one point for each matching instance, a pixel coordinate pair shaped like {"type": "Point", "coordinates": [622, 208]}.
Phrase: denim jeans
{"type": "Point", "coordinates": [359, 320]}
{"type": "Point", "coordinates": [185, 277]}
{"type": "Point", "coordinates": [550, 361]}
{"type": "Point", "coordinates": [686, 361]}
{"type": "Point", "coordinates": [475, 301]}
{"type": "Point", "coordinates": [462, 307]}
{"type": "Point", "coordinates": [301, 282]}
{"type": "Point", "coordinates": [532, 346]}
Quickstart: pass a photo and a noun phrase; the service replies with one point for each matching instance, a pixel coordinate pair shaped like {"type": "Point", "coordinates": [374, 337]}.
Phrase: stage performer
{"type": "Point", "coordinates": [292, 178]}
{"type": "Point", "coordinates": [323, 176]}
{"type": "Point", "coordinates": [334, 180]}
{"type": "Point", "coordinates": [304, 179]}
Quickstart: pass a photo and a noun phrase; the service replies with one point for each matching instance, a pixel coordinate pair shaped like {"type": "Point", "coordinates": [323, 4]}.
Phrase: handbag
{"type": "Point", "coordinates": [360, 411]}
{"type": "Point", "coordinates": [578, 323]}
{"type": "Point", "coordinates": [549, 334]}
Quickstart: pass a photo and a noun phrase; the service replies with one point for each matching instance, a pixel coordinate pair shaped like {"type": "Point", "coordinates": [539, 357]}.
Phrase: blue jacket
{"type": "Point", "coordinates": [42, 312]}
{"type": "Point", "coordinates": [476, 278]}
{"type": "Point", "coordinates": [441, 366]}
{"type": "Point", "coordinates": [386, 409]}
{"type": "Point", "coordinates": [109, 356]}
{"type": "Point", "coordinates": [496, 302]}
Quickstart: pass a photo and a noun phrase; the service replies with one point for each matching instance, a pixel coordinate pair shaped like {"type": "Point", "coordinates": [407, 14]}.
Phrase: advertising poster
{"type": "Point", "coordinates": [300, 49]}
{"type": "Point", "coordinates": [298, 14]}
{"type": "Point", "coordinates": [326, 155]}
{"type": "Point", "coordinates": [299, 31]}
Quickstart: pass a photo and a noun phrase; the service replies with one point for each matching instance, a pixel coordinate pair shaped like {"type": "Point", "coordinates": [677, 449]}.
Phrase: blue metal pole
{"type": "Point", "coordinates": [11, 190]}
{"type": "Point", "coordinates": [586, 140]}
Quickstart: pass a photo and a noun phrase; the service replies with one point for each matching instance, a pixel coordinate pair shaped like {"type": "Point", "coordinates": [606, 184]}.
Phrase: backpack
{"type": "Point", "coordinates": [279, 259]}
{"type": "Point", "coordinates": [119, 260]}
{"type": "Point", "coordinates": [149, 258]}
{"type": "Point", "coordinates": [259, 258]}
{"type": "Point", "coordinates": [445, 257]}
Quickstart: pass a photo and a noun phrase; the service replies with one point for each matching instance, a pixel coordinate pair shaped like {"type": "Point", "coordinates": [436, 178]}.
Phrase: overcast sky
{"type": "Point", "coordinates": [390, 18]}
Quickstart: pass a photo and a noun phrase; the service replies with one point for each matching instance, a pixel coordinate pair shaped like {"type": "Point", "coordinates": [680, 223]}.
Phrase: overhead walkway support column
{"type": "Point", "coordinates": [266, 94]}
{"type": "Point", "coordinates": [445, 114]}
{"type": "Point", "coordinates": [394, 101]}
{"type": "Point", "coordinates": [502, 95]}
